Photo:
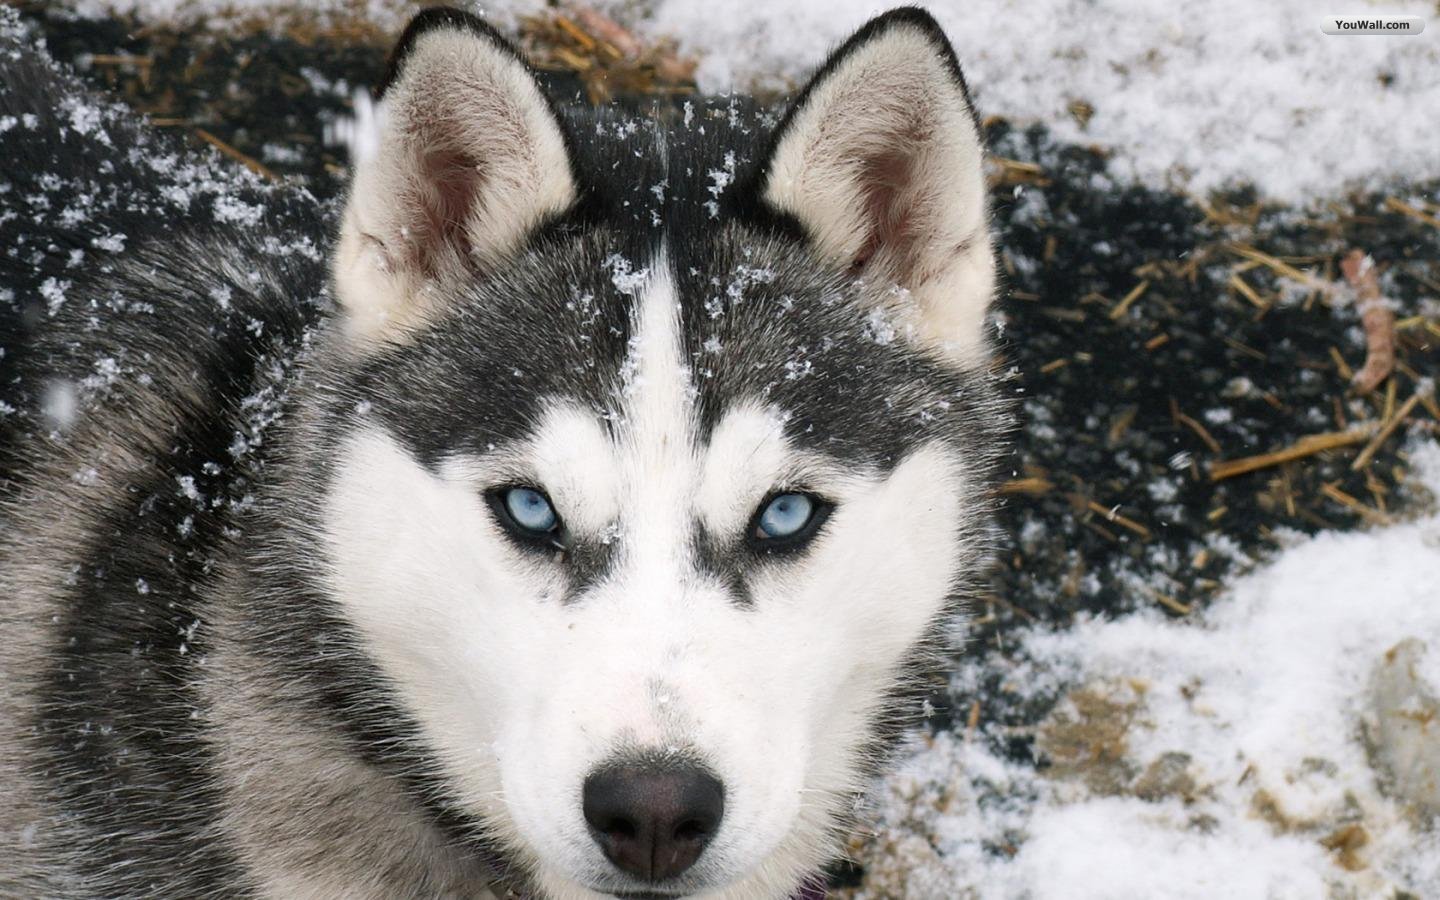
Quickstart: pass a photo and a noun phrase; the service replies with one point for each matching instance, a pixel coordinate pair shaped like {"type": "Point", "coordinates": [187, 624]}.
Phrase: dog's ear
{"type": "Point", "coordinates": [466, 156]}
{"type": "Point", "coordinates": [879, 158]}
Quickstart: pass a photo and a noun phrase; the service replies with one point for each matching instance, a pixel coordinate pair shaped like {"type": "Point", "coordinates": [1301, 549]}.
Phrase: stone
{"type": "Point", "coordinates": [1403, 728]}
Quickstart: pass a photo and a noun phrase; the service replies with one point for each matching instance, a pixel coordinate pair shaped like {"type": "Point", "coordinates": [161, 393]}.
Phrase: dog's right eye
{"type": "Point", "coordinates": [787, 521]}
{"type": "Point", "coordinates": [528, 513]}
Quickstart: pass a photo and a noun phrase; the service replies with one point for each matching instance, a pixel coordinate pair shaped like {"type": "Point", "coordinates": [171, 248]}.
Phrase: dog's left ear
{"type": "Point", "coordinates": [879, 159]}
{"type": "Point", "coordinates": [468, 157]}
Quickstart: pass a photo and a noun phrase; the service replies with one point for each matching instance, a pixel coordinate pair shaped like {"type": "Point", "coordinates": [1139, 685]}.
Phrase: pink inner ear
{"type": "Point", "coordinates": [887, 186]}
{"type": "Point", "coordinates": [443, 199]}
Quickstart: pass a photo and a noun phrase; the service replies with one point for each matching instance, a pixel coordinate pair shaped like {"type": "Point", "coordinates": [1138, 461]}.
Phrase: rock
{"type": "Point", "coordinates": [1346, 843]}
{"type": "Point", "coordinates": [1086, 737]}
{"type": "Point", "coordinates": [1168, 776]}
{"type": "Point", "coordinates": [1403, 728]}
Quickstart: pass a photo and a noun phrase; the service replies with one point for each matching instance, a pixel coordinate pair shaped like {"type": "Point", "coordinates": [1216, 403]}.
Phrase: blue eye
{"type": "Point", "coordinates": [785, 516]}
{"type": "Point", "coordinates": [530, 510]}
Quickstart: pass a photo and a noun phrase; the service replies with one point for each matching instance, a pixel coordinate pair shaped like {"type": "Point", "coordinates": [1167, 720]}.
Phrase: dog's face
{"type": "Point", "coordinates": [664, 452]}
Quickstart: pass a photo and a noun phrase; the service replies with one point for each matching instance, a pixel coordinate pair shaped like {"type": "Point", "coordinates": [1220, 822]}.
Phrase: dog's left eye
{"type": "Point", "coordinates": [527, 512]}
{"type": "Point", "coordinates": [785, 521]}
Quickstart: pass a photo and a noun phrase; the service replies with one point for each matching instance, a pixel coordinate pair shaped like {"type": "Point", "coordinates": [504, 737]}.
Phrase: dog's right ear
{"type": "Point", "coordinates": [879, 159]}
{"type": "Point", "coordinates": [468, 157]}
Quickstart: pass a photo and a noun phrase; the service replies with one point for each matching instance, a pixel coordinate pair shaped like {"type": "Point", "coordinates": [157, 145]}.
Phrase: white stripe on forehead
{"type": "Point", "coordinates": [657, 431]}
{"type": "Point", "coordinates": [652, 480]}
{"type": "Point", "coordinates": [658, 393]}
{"type": "Point", "coordinates": [669, 480]}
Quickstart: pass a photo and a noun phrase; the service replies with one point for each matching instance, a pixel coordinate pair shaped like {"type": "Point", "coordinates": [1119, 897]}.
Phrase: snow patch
{"type": "Point", "coordinates": [1203, 94]}
{"type": "Point", "coordinates": [1227, 754]}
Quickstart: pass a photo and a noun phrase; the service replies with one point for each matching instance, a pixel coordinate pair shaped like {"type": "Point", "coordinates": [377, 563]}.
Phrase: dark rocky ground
{"type": "Point", "coordinates": [1124, 408]}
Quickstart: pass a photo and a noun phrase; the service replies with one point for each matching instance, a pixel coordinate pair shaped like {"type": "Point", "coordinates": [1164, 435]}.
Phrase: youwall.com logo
{"type": "Point", "coordinates": [1373, 25]}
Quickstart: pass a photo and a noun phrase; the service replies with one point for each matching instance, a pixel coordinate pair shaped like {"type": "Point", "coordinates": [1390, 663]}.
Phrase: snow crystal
{"type": "Point", "coordinates": [626, 280]}
{"type": "Point", "coordinates": [107, 372]}
{"type": "Point", "coordinates": [111, 243]}
{"type": "Point", "coordinates": [85, 120]}
{"type": "Point", "coordinates": [879, 327]}
{"type": "Point", "coordinates": [230, 209]}
{"type": "Point", "coordinates": [187, 489]}
{"type": "Point", "coordinates": [720, 179]}
{"type": "Point", "coordinates": [796, 369]}
{"type": "Point", "coordinates": [53, 290]}
{"type": "Point", "coordinates": [1163, 490]}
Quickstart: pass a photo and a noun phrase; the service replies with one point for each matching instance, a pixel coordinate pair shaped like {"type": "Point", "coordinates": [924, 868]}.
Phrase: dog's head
{"type": "Point", "coordinates": [664, 449]}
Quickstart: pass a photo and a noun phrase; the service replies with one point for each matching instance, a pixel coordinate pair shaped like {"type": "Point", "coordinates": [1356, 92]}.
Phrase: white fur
{"type": "Point", "coordinates": [523, 695]}
{"type": "Point", "coordinates": [894, 95]}
{"type": "Point", "coordinates": [461, 93]}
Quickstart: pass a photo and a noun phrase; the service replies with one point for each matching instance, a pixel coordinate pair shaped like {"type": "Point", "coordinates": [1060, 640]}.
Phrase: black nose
{"type": "Point", "coordinates": [653, 822]}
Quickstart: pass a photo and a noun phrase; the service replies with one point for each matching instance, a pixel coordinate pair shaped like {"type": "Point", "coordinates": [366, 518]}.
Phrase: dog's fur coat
{"type": "Point", "coordinates": [263, 634]}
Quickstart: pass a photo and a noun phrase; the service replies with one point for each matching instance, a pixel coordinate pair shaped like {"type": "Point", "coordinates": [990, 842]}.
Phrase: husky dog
{"type": "Point", "coordinates": [577, 523]}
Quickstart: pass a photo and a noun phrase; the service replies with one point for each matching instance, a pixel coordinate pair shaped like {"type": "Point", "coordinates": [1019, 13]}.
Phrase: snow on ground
{"type": "Point", "coordinates": [1197, 95]}
{"type": "Point", "coordinates": [220, 13]}
{"type": "Point", "coordinates": [1200, 94]}
{"type": "Point", "coordinates": [1239, 756]}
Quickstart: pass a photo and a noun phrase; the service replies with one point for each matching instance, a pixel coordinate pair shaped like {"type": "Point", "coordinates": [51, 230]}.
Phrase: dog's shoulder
{"type": "Point", "coordinates": [130, 263]}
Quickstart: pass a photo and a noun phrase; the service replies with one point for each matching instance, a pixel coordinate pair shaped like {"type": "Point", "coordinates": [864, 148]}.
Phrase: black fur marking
{"type": "Point", "coordinates": [588, 562]}
{"type": "Point", "coordinates": [724, 558]}
{"type": "Point", "coordinates": [438, 18]}
{"type": "Point", "coordinates": [120, 703]}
